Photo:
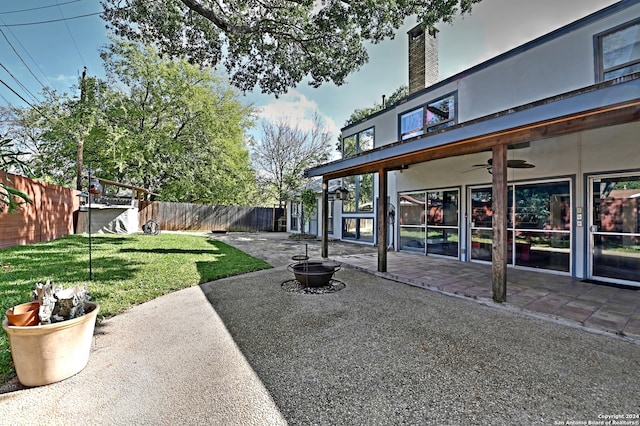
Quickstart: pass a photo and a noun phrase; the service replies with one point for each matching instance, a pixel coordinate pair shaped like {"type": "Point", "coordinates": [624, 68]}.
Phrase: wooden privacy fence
{"type": "Point", "coordinates": [202, 217]}
{"type": "Point", "coordinates": [49, 216]}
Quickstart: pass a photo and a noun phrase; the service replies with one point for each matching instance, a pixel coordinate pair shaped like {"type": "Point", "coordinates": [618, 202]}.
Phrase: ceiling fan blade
{"type": "Point", "coordinates": [476, 167]}
{"type": "Point", "coordinates": [519, 164]}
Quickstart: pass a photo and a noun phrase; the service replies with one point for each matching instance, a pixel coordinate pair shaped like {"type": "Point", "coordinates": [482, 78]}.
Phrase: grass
{"type": "Point", "coordinates": [127, 270]}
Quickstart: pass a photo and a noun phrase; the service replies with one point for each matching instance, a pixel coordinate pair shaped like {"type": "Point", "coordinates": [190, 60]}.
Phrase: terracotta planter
{"type": "Point", "coordinates": [25, 314]}
{"type": "Point", "coordinates": [44, 354]}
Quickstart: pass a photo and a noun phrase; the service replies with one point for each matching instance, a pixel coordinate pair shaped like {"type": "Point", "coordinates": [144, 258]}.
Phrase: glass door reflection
{"type": "Point", "coordinates": [615, 229]}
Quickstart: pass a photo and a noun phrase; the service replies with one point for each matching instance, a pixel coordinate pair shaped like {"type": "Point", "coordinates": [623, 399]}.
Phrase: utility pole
{"type": "Point", "coordinates": [80, 155]}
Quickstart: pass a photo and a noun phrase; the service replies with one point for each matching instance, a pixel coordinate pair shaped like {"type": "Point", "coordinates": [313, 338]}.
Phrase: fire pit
{"type": "Point", "coordinates": [314, 274]}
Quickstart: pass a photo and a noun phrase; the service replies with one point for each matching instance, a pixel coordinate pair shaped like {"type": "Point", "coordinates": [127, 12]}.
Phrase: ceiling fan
{"type": "Point", "coordinates": [513, 164]}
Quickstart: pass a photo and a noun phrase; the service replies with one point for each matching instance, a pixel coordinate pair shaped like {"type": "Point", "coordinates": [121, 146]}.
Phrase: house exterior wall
{"type": "Point", "coordinates": [550, 66]}
{"type": "Point", "coordinates": [295, 224]}
{"type": "Point", "coordinates": [557, 63]}
{"type": "Point", "coordinates": [573, 157]}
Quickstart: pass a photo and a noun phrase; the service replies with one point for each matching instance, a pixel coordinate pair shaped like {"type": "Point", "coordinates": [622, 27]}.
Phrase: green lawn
{"type": "Point", "coordinates": [127, 270]}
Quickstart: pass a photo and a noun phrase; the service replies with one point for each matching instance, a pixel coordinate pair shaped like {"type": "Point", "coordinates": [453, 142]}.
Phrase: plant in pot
{"type": "Point", "coordinates": [57, 346]}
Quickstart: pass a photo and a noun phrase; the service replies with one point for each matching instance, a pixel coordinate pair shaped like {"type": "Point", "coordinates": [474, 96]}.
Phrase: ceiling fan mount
{"type": "Point", "coordinates": [512, 164]}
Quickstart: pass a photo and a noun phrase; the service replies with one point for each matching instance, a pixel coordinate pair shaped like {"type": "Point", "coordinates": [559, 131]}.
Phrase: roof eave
{"type": "Point", "coordinates": [592, 100]}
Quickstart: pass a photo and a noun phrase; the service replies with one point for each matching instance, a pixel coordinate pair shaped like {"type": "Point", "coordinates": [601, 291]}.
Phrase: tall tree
{"type": "Point", "coordinates": [284, 153]}
{"type": "Point", "coordinates": [273, 44]}
{"type": "Point", "coordinates": [54, 129]}
{"type": "Point", "coordinates": [158, 123]}
{"type": "Point", "coordinates": [10, 127]}
{"type": "Point", "coordinates": [185, 125]}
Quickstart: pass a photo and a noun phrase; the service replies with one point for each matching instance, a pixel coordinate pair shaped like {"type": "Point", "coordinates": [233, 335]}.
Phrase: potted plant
{"type": "Point", "coordinates": [59, 345]}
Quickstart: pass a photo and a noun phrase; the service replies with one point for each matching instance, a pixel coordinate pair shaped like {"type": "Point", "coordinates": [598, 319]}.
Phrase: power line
{"type": "Point", "coordinates": [6, 101]}
{"type": "Point", "coordinates": [27, 52]}
{"type": "Point", "coordinates": [19, 83]}
{"type": "Point", "coordinates": [20, 96]}
{"type": "Point", "coordinates": [50, 20]}
{"type": "Point", "coordinates": [21, 60]}
{"type": "Point", "coordinates": [37, 8]}
{"type": "Point", "coordinates": [38, 110]}
{"type": "Point", "coordinates": [70, 34]}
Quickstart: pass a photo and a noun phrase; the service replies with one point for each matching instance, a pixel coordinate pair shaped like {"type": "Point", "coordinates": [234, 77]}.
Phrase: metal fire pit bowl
{"type": "Point", "coordinates": [314, 274]}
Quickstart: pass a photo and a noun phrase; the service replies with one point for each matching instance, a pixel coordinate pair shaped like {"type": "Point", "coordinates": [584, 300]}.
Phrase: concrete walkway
{"type": "Point", "coordinates": [170, 361]}
{"type": "Point", "coordinates": [242, 351]}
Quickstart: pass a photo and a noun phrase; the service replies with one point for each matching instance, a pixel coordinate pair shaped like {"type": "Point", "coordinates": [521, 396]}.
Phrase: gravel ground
{"type": "Point", "coordinates": [374, 353]}
{"type": "Point", "coordinates": [383, 353]}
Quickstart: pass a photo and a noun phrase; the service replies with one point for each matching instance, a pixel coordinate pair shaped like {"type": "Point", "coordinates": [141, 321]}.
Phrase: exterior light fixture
{"type": "Point", "coordinates": [342, 194]}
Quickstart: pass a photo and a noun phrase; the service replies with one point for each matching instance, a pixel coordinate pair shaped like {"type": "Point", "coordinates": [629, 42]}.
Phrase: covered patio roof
{"type": "Point", "coordinates": [604, 104]}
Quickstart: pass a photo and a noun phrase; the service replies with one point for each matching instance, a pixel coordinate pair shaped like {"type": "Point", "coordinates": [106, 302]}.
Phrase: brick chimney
{"type": "Point", "coordinates": [423, 58]}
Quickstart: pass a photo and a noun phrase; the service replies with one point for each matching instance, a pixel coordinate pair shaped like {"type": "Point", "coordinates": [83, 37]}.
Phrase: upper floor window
{"type": "Point", "coordinates": [357, 143]}
{"type": "Point", "coordinates": [360, 199]}
{"type": "Point", "coordinates": [427, 118]}
{"type": "Point", "coordinates": [618, 51]}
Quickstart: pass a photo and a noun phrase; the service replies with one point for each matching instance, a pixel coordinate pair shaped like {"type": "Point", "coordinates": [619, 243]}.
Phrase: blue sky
{"type": "Point", "coordinates": [56, 50]}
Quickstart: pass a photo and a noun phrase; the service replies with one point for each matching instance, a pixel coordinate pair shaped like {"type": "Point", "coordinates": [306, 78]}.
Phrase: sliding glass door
{"type": "Point", "coordinates": [442, 223]}
{"type": "Point", "coordinates": [538, 225]}
{"type": "Point", "coordinates": [614, 230]}
{"type": "Point", "coordinates": [429, 222]}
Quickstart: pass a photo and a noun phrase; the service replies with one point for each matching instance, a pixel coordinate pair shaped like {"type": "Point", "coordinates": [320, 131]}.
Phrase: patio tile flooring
{"type": "Point", "coordinates": [570, 300]}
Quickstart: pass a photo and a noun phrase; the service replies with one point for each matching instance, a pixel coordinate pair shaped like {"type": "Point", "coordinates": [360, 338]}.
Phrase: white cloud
{"type": "Point", "coordinates": [62, 77]}
{"type": "Point", "coordinates": [297, 110]}
{"type": "Point", "coordinates": [64, 83]}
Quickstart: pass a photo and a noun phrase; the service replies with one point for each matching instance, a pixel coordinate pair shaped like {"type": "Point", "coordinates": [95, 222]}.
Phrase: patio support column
{"type": "Point", "coordinates": [325, 218]}
{"type": "Point", "coordinates": [382, 220]}
{"type": "Point", "coordinates": [500, 206]}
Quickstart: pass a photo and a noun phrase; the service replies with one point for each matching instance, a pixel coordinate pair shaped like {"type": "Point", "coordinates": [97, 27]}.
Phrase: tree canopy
{"type": "Point", "coordinates": [158, 123]}
{"type": "Point", "coordinates": [400, 93]}
{"type": "Point", "coordinates": [273, 44]}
